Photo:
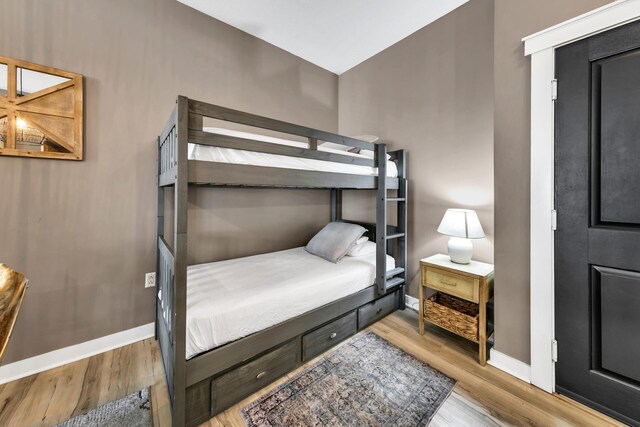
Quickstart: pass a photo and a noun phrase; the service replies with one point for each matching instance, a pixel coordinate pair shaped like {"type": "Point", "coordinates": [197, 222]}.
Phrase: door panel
{"type": "Point", "coordinates": [597, 244]}
{"type": "Point", "coordinates": [617, 82]}
{"type": "Point", "coordinates": [608, 245]}
{"type": "Point", "coordinates": [619, 316]}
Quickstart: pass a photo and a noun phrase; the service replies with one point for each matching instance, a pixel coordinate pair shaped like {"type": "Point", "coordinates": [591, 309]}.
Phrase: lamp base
{"type": "Point", "coordinates": [460, 250]}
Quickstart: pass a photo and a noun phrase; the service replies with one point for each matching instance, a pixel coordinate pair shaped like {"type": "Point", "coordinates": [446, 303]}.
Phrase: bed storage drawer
{"type": "Point", "coordinates": [238, 383]}
{"type": "Point", "coordinates": [329, 335]}
{"type": "Point", "coordinates": [376, 310]}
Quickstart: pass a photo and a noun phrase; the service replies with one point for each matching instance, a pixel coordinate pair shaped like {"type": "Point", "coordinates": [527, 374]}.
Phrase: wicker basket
{"type": "Point", "coordinates": [456, 315]}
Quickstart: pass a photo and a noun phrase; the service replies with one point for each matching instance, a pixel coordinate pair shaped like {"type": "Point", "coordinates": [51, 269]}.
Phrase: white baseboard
{"type": "Point", "coordinates": [53, 359]}
{"type": "Point", "coordinates": [499, 360]}
{"type": "Point", "coordinates": [510, 365]}
{"type": "Point", "coordinates": [412, 303]}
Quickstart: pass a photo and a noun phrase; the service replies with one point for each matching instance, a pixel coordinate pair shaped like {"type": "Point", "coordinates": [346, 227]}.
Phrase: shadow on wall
{"type": "Point", "coordinates": [227, 223]}
{"type": "Point", "coordinates": [257, 69]}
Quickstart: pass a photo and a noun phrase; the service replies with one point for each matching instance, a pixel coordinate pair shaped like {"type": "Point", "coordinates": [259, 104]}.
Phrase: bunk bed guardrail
{"type": "Point", "coordinates": [168, 147]}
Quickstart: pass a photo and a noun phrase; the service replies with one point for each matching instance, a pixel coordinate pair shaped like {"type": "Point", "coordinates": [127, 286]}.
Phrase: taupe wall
{"type": "Point", "coordinates": [515, 19]}
{"type": "Point", "coordinates": [456, 94]}
{"type": "Point", "coordinates": [432, 93]}
{"type": "Point", "coordinates": [83, 232]}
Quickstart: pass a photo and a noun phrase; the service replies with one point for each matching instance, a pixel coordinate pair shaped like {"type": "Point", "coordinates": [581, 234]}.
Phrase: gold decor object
{"type": "Point", "coordinates": [41, 111]}
{"type": "Point", "coordinates": [12, 288]}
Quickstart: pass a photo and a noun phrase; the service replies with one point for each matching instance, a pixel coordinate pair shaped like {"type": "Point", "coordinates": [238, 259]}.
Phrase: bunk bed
{"type": "Point", "coordinates": [204, 381]}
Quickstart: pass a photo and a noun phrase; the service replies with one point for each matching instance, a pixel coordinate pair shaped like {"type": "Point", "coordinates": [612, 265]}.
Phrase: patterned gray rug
{"type": "Point", "coordinates": [133, 410]}
{"type": "Point", "coordinates": [367, 381]}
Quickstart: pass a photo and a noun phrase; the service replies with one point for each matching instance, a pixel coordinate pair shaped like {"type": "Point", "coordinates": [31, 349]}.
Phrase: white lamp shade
{"type": "Point", "coordinates": [461, 223]}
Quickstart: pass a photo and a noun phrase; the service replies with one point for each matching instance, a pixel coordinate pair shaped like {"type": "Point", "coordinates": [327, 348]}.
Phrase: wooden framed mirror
{"type": "Point", "coordinates": [41, 112]}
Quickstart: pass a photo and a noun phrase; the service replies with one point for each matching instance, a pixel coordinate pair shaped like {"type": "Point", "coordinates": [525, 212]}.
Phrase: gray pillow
{"type": "Point", "coordinates": [334, 240]}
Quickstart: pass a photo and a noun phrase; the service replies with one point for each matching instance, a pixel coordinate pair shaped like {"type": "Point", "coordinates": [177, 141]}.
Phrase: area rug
{"type": "Point", "coordinates": [366, 381]}
{"type": "Point", "coordinates": [133, 410]}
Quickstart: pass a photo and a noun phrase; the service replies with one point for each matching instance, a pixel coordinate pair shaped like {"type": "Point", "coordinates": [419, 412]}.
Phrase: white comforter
{"type": "Point", "coordinates": [241, 157]}
{"type": "Point", "coordinates": [227, 300]}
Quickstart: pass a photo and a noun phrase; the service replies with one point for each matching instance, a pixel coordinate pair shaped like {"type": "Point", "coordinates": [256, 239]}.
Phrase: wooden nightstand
{"type": "Point", "coordinates": [471, 285]}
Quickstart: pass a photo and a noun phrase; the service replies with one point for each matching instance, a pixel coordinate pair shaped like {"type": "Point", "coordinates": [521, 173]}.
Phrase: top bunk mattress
{"type": "Point", "coordinates": [228, 300]}
{"type": "Point", "coordinates": [252, 158]}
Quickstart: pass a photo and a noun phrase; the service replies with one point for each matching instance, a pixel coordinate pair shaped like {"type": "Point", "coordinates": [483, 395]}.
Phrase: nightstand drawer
{"type": "Point", "coordinates": [453, 284]}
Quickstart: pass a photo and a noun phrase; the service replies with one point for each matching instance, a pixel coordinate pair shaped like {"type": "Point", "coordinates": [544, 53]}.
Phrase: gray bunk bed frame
{"type": "Point", "coordinates": [212, 381]}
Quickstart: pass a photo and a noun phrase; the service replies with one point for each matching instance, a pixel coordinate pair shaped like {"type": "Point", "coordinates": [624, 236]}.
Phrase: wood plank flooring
{"type": "Point", "coordinates": [483, 396]}
{"type": "Point", "coordinates": [58, 394]}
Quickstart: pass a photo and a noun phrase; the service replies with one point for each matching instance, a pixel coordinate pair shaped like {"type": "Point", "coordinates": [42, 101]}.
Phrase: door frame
{"type": "Point", "coordinates": [541, 48]}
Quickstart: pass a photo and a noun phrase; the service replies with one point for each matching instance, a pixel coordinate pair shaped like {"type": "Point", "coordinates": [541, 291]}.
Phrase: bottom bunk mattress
{"type": "Point", "coordinates": [228, 300]}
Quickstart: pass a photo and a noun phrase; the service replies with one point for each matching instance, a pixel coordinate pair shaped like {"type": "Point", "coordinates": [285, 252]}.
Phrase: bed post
{"type": "Point", "coordinates": [381, 219]}
{"type": "Point", "coordinates": [336, 204]}
{"type": "Point", "coordinates": [181, 190]}
{"type": "Point", "coordinates": [401, 255]}
{"type": "Point", "coordinates": [159, 229]}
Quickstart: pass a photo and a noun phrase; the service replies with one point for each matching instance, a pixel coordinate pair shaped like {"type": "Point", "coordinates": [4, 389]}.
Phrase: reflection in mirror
{"type": "Point", "coordinates": [29, 137]}
{"type": "Point", "coordinates": [4, 79]}
{"type": "Point", "coordinates": [29, 81]}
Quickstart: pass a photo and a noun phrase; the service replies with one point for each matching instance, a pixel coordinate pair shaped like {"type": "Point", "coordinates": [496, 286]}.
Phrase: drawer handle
{"type": "Point", "coordinates": [332, 336]}
{"type": "Point", "coordinates": [446, 282]}
{"type": "Point", "coordinates": [261, 374]}
{"type": "Point", "coordinates": [378, 311]}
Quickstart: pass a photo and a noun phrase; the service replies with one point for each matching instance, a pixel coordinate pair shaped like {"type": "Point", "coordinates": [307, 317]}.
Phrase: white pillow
{"type": "Point", "coordinates": [370, 154]}
{"type": "Point", "coordinates": [367, 248]}
{"type": "Point", "coordinates": [334, 240]}
{"type": "Point", "coordinates": [340, 147]}
{"type": "Point", "coordinates": [368, 138]}
{"type": "Point", "coordinates": [334, 146]}
{"type": "Point", "coordinates": [362, 240]}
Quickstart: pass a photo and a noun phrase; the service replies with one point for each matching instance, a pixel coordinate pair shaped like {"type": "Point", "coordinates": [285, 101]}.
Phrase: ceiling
{"type": "Point", "coordinates": [333, 34]}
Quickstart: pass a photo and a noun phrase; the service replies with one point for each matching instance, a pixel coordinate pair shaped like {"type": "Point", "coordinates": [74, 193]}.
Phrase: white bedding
{"type": "Point", "coordinates": [227, 300]}
{"type": "Point", "coordinates": [242, 157]}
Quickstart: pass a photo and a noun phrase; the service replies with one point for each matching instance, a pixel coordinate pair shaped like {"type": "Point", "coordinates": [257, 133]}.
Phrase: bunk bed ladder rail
{"type": "Point", "coordinates": [388, 237]}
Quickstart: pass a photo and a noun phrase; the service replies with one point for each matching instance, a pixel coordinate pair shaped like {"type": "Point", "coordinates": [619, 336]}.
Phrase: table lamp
{"type": "Point", "coordinates": [461, 225]}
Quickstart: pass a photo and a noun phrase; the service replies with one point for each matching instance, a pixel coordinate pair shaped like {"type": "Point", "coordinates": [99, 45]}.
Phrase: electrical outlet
{"type": "Point", "coordinates": [150, 280]}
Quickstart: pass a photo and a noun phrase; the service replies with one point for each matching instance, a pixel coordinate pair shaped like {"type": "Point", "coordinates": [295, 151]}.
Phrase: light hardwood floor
{"type": "Point", "coordinates": [483, 396]}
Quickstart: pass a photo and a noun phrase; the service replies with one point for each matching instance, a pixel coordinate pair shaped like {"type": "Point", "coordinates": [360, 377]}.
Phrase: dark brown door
{"type": "Point", "coordinates": [597, 243]}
